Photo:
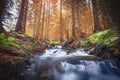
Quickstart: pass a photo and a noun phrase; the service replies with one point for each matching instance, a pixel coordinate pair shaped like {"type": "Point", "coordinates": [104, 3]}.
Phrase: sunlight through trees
{"type": "Point", "coordinates": [59, 19]}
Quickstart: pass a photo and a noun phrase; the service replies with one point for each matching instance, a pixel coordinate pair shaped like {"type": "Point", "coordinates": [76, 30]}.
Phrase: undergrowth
{"type": "Point", "coordinates": [7, 41]}
{"type": "Point", "coordinates": [54, 42]}
{"type": "Point", "coordinates": [100, 37]}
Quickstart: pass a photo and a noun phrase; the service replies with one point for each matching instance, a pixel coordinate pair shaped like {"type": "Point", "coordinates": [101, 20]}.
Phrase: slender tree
{"type": "Point", "coordinates": [22, 16]}
{"type": "Point", "coordinates": [95, 16]}
{"type": "Point", "coordinates": [73, 18]}
{"type": "Point", "coordinates": [61, 21]}
{"type": "Point", "coordinates": [2, 7]}
{"type": "Point", "coordinates": [39, 20]}
{"type": "Point", "coordinates": [48, 21]}
{"type": "Point", "coordinates": [43, 21]}
{"type": "Point", "coordinates": [77, 19]}
{"type": "Point", "coordinates": [35, 18]}
{"type": "Point", "coordinates": [67, 27]}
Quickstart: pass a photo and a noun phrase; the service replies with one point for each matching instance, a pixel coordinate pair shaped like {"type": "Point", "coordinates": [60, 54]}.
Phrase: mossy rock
{"type": "Point", "coordinates": [104, 37]}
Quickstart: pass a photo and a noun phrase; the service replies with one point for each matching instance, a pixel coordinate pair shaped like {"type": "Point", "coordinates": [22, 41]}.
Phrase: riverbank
{"type": "Point", "coordinates": [13, 58]}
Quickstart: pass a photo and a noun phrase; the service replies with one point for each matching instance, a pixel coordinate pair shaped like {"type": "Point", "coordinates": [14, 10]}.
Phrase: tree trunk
{"type": "Point", "coordinates": [61, 21]}
{"type": "Point", "coordinates": [113, 10]}
{"type": "Point", "coordinates": [39, 19]}
{"type": "Point", "coordinates": [67, 27]}
{"type": "Point", "coordinates": [48, 21]}
{"type": "Point", "coordinates": [35, 20]}
{"type": "Point", "coordinates": [43, 19]}
{"type": "Point", "coordinates": [78, 30]}
{"type": "Point", "coordinates": [76, 58]}
{"type": "Point", "coordinates": [20, 27]}
{"type": "Point", "coordinates": [95, 16]}
{"type": "Point", "coordinates": [2, 7]}
{"type": "Point", "coordinates": [73, 18]}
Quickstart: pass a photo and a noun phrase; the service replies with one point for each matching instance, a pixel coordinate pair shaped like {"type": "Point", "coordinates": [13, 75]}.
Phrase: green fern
{"type": "Point", "coordinates": [7, 42]}
{"type": "Point", "coordinates": [100, 37]}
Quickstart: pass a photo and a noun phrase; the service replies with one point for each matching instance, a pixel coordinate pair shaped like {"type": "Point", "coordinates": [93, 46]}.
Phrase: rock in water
{"type": "Point", "coordinates": [100, 50]}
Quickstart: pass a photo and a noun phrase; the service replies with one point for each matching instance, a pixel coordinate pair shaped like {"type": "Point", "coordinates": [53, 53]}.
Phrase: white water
{"type": "Point", "coordinates": [73, 70]}
{"type": "Point", "coordinates": [57, 51]}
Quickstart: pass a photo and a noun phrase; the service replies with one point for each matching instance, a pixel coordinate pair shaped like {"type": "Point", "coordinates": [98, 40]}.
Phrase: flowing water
{"type": "Point", "coordinates": [47, 67]}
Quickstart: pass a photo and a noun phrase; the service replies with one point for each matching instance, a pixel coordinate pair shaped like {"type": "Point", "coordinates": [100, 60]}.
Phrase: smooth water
{"type": "Point", "coordinates": [45, 68]}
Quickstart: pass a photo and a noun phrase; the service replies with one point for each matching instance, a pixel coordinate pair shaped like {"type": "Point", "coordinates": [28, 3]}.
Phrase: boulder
{"type": "Point", "coordinates": [100, 50]}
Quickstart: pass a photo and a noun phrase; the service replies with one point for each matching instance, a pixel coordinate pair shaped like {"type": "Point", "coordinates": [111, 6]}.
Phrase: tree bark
{"type": "Point", "coordinates": [39, 19]}
{"type": "Point", "coordinates": [76, 58]}
{"type": "Point", "coordinates": [78, 30]}
{"type": "Point", "coordinates": [43, 19]}
{"type": "Point", "coordinates": [2, 7]}
{"type": "Point", "coordinates": [95, 17]}
{"type": "Point", "coordinates": [73, 18]}
{"type": "Point", "coordinates": [35, 16]}
{"type": "Point", "coordinates": [67, 27]}
{"type": "Point", "coordinates": [20, 27]}
{"type": "Point", "coordinates": [61, 39]}
{"type": "Point", "coordinates": [48, 22]}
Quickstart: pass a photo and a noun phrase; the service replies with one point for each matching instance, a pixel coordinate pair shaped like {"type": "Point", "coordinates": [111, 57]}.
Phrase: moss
{"type": "Point", "coordinates": [85, 43]}
{"type": "Point", "coordinates": [54, 42]}
{"type": "Point", "coordinates": [100, 37]}
{"type": "Point", "coordinates": [7, 41]}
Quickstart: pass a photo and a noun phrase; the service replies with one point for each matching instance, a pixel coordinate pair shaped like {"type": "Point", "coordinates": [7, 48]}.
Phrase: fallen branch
{"type": "Point", "coordinates": [75, 58]}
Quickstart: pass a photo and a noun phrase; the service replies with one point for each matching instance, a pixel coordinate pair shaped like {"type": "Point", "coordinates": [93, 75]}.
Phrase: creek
{"type": "Point", "coordinates": [56, 64]}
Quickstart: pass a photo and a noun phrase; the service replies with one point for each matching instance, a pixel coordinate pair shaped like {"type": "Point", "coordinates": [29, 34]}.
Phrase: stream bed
{"type": "Point", "coordinates": [56, 64]}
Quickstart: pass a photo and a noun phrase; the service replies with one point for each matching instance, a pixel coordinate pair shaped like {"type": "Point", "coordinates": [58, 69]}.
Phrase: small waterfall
{"type": "Point", "coordinates": [11, 14]}
{"type": "Point", "coordinates": [45, 68]}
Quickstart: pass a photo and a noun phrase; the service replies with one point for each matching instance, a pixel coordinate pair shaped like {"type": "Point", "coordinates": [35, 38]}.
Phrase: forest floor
{"type": "Point", "coordinates": [13, 59]}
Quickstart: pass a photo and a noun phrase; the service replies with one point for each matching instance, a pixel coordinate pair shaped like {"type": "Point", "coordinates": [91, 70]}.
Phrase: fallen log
{"type": "Point", "coordinates": [75, 58]}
